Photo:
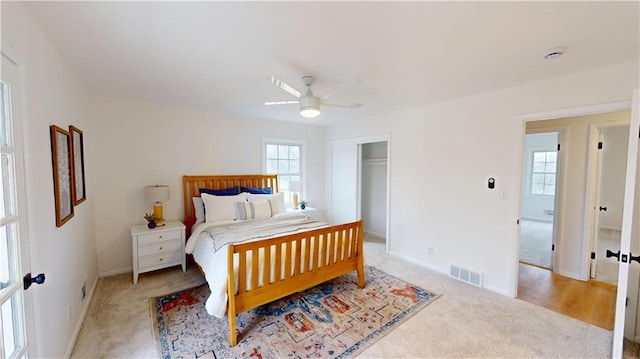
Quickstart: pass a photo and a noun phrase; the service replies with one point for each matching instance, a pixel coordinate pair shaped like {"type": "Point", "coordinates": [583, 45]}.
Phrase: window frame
{"type": "Point", "coordinates": [283, 185]}
{"type": "Point", "coordinates": [533, 173]}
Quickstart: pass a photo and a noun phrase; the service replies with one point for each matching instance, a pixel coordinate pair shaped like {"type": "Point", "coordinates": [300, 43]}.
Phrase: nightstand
{"type": "Point", "coordinates": [307, 211]}
{"type": "Point", "coordinates": [157, 248]}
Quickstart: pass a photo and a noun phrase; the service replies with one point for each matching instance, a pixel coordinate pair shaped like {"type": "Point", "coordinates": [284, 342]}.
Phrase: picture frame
{"type": "Point", "coordinates": [77, 165]}
{"type": "Point", "coordinates": [62, 175]}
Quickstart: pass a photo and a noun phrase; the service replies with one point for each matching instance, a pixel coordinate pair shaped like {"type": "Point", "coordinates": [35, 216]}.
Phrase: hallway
{"type": "Point", "coordinates": [592, 302]}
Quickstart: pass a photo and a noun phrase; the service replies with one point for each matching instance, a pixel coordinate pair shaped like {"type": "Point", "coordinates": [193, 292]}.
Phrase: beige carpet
{"type": "Point", "coordinates": [465, 322]}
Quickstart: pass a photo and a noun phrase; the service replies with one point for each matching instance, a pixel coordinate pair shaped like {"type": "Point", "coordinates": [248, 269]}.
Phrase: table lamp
{"type": "Point", "coordinates": [157, 194]}
{"type": "Point", "coordinates": [295, 187]}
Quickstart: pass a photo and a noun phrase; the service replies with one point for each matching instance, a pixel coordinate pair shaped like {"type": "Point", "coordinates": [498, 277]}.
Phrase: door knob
{"type": "Point", "coordinates": [603, 208]}
{"type": "Point", "coordinates": [27, 280]}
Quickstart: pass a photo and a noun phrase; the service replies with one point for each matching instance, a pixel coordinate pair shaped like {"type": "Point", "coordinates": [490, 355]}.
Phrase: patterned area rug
{"type": "Point", "coordinates": [332, 320]}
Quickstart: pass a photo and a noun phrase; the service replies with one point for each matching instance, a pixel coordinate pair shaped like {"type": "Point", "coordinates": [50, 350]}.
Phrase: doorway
{"type": "Point", "coordinates": [373, 193]}
{"type": "Point", "coordinates": [360, 185]}
{"type": "Point", "coordinates": [570, 210]}
{"type": "Point", "coordinates": [539, 199]}
{"type": "Point", "coordinates": [608, 199]}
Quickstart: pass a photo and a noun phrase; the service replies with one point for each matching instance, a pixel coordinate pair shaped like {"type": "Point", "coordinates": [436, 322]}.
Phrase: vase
{"type": "Point", "coordinates": [151, 225]}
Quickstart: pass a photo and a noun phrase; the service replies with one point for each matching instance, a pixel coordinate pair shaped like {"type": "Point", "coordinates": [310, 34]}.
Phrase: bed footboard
{"type": "Point", "coordinates": [274, 268]}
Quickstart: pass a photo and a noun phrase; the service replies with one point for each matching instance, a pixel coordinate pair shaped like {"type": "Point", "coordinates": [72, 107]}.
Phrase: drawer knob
{"type": "Point", "coordinates": [160, 248]}
{"type": "Point", "coordinates": [160, 259]}
{"type": "Point", "coordinates": [160, 236]}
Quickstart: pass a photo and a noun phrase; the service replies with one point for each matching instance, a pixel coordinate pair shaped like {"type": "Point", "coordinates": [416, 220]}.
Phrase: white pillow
{"type": "Point", "coordinates": [277, 201]}
{"type": "Point", "coordinates": [221, 208]}
{"type": "Point", "coordinates": [253, 210]}
{"type": "Point", "coordinates": [198, 205]}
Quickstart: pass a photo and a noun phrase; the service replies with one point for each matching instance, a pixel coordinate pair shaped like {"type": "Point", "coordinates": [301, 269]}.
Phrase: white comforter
{"type": "Point", "coordinates": [208, 244]}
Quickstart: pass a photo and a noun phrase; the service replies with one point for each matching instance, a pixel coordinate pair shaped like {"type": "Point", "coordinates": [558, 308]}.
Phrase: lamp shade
{"type": "Point", "coordinates": [157, 193]}
{"type": "Point", "coordinates": [295, 186]}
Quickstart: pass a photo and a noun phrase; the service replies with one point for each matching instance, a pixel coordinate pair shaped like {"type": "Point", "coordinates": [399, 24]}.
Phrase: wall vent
{"type": "Point", "coordinates": [466, 275]}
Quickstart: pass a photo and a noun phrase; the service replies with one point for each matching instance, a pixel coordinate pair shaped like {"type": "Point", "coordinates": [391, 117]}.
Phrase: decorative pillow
{"type": "Point", "coordinates": [221, 208]}
{"type": "Point", "coordinates": [253, 210]}
{"type": "Point", "coordinates": [220, 192]}
{"type": "Point", "coordinates": [264, 190]}
{"type": "Point", "coordinates": [198, 205]}
{"type": "Point", "coordinates": [277, 201]}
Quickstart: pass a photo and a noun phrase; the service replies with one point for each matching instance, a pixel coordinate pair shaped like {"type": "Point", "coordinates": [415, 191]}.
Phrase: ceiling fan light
{"type": "Point", "coordinates": [309, 112]}
{"type": "Point", "coordinates": [309, 107]}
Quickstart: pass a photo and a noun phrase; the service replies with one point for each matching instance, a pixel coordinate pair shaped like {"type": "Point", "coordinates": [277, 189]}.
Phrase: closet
{"type": "Point", "coordinates": [374, 190]}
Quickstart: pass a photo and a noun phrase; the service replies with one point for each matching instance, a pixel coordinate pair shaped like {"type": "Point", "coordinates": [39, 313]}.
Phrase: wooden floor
{"type": "Point", "coordinates": [592, 301]}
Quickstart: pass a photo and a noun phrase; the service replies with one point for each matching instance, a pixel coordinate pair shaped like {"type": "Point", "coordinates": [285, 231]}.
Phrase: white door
{"type": "Point", "coordinates": [609, 198]}
{"type": "Point", "coordinates": [344, 182]}
{"type": "Point", "coordinates": [14, 257]}
{"type": "Point", "coordinates": [627, 224]}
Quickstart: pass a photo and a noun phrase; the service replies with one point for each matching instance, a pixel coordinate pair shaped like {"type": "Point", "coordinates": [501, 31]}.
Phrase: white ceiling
{"type": "Point", "coordinates": [218, 55]}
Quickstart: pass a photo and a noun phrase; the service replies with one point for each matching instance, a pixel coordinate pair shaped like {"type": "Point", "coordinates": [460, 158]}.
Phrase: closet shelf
{"type": "Point", "coordinates": [375, 161]}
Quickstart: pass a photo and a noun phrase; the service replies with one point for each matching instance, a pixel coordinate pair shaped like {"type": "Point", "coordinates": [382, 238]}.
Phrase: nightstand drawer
{"type": "Point", "coordinates": [159, 259]}
{"type": "Point", "coordinates": [162, 236]}
{"type": "Point", "coordinates": [160, 247]}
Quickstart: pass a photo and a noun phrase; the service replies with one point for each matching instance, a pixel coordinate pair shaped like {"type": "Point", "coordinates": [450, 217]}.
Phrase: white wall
{"type": "Point", "coordinates": [142, 144]}
{"type": "Point", "coordinates": [443, 154]}
{"type": "Point", "coordinates": [535, 205]}
{"type": "Point", "coordinates": [67, 255]}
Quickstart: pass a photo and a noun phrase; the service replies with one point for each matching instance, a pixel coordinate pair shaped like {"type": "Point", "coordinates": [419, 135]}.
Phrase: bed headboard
{"type": "Point", "coordinates": [191, 188]}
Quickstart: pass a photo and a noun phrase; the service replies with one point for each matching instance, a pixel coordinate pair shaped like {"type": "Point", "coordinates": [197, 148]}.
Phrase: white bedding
{"type": "Point", "coordinates": [208, 244]}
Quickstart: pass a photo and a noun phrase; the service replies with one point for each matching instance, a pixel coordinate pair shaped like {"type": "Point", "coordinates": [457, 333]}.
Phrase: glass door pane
{"type": "Point", "coordinates": [12, 328]}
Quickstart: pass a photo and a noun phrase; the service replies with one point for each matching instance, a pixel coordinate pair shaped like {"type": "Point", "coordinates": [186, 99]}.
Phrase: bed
{"type": "Point", "coordinates": [256, 261]}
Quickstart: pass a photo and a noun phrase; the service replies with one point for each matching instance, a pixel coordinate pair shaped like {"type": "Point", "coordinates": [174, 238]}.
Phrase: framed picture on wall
{"type": "Point", "coordinates": [77, 165]}
{"type": "Point", "coordinates": [62, 182]}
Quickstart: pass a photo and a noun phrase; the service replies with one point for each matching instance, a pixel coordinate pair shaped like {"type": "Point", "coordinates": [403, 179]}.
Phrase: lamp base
{"type": "Point", "coordinates": [295, 200]}
{"type": "Point", "coordinates": [157, 213]}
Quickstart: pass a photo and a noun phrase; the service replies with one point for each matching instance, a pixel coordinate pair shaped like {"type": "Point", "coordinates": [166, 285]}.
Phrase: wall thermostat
{"type": "Point", "coordinates": [491, 182]}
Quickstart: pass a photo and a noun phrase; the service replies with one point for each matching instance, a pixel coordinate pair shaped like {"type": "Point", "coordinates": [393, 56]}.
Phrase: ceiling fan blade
{"type": "Point", "coordinates": [341, 104]}
{"type": "Point", "coordinates": [284, 86]}
{"type": "Point", "coordinates": [269, 103]}
{"type": "Point", "coordinates": [341, 88]}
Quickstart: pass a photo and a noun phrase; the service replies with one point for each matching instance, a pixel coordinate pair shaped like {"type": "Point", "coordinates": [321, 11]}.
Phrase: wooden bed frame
{"type": "Point", "coordinates": [330, 252]}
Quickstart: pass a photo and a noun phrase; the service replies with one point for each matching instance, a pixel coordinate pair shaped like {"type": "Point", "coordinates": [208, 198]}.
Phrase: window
{"type": "Point", "coordinates": [285, 160]}
{"type": "Point", "coordinates": [543, 173]}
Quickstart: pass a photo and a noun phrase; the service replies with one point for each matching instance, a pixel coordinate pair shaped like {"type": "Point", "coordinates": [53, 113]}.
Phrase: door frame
{"type": "Point", "coordinates": [551, 115]}
{"type": "Point", "coordinates": [358, 141]}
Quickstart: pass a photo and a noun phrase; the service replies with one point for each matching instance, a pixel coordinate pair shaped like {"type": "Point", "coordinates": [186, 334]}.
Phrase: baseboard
{"type": "Point", "coordinates": [83, 314]}
{"type": "Point", "coordinates": [497, 290]}
{"type": "Point", "coordinates": [490, 288]}
{"type": "Point", "coordinates": [375, 234]}
{"type": "Point", "coordinates": [115, 272]}
{"type": "Point", "coordinates": [418, 263]}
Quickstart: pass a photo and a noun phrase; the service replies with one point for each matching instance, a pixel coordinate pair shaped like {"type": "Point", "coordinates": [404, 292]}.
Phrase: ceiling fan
{"type": "Point", "coordinates": [309, 103]}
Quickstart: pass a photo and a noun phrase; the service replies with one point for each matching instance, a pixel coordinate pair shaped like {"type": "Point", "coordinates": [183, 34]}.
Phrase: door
{"type": "Point", "coordinates": [14, 257]}
{"type": "Point", "coordinates": [344, 182]}
{"type": "Point", "coordinates": [609, 198]}
{"type": "Point", "coordinates": [627, 224]}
